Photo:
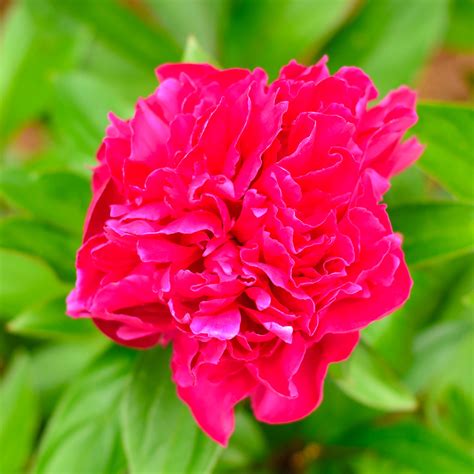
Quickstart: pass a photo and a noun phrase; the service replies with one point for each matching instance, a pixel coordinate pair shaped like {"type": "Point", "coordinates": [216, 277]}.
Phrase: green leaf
{"type": "Point", "coordinates": [434, 231]}
{"type": "Point", "coordinates": [413, 446]}
{"type": "Point", "coordinates": [366, 378]}
{"type": "Point", "coordinates": [269, 33]}
{"type": "Point", "coordinates": [337, 414]}
{"type": "Point", "coordinates": [30, 56]}
{"type": "Point", "coordinates": [390, 39]}
{"type": "Point", "coordinates": [57, 248]}
{"type": "Point", "coordinates": [57, 364]}
{"type": "Point", "coordinates": [247, 445]}
{"type": "Point", "coordinates": [458, 303]}
{"type": "Point", "coordinates": [451, 412]}
{"type": "Point", "coordinates": [50, 321]}
{"type": "Point", "coordinates": [19, 415]}
{"type": "Point", "coordinates": [193, 53]}
{"type": "Point", "coordinates": [57, 198]}
{"type": "Point", "coordinates": [25, 281]}
{"type": "Point", "coordinates": [83, 433]}
{"type": "Point", "coordinates": [159, 433]}
{"type": "Point", "coordinates": [448, 132]}
{"type": "Point", "coordinates": [459, 34]}
{"type": "Point", "coordinates": [438, 352]}
{"type": "Point", "coordinates": [140, 41]}
{"type": "Point", "coordinates": [80, 114]}
{"type": "Point", "coordinates": [200, 18]}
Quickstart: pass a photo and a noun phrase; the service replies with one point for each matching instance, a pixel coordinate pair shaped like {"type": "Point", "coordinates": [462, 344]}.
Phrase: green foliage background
{"type": "Point", "coordinates": [71, 402]}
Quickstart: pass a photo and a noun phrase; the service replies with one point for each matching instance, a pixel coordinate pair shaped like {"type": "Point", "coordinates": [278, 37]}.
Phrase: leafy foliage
{"type": "Point", "coordinates": [72, 404]}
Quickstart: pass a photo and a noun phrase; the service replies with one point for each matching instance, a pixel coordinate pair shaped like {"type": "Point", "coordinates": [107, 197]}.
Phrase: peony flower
{"type": "Point", "coordinates": [243, 222]}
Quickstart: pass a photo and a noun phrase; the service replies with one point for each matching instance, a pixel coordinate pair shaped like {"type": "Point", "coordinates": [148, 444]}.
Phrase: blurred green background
{"type": "Point", "coordinates": [70, 402]}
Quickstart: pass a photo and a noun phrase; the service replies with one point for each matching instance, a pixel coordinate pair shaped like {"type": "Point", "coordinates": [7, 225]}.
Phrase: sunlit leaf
{"type": "Point", "coordinates": [194, 53]}
{"type": "Point", "coordinates": [200, 18]}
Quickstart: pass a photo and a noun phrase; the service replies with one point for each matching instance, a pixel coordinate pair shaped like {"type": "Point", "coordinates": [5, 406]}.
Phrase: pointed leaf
{"type": "Point", "coordinates": [137, 39]}
{"type": "Point", "coordinates": [194, 53]}
{"type": "Point", "coordinates": [25, 281]}
{"type": "Point", "coordinates": [49, 321]}
{"type": "Point", "coordinates": [19, 415]}
{"type": "Point", "coordinates": [83, 433]}
{"type": "Point", "coordinates": [159, 432]}
{"type": "Point", "coordinates": [57, 198]}
{"type": "Point", "coordinates": [369, 380]}
{"type": "Point", "coordinates": [202, 19]}
{"type": "Point", "coordinates": [57, 248]}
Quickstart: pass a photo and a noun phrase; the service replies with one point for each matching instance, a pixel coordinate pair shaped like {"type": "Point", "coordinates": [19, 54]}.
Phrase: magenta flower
{"type": "Point", "coordinates": [243, 222]}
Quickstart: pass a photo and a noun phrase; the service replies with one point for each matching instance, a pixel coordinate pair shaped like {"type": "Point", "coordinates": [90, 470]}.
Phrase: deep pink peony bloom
{"type": "Point", "coordinates": [243, 222]}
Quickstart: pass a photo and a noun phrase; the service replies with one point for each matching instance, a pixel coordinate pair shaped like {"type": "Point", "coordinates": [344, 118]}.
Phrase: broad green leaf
{"type": "Point", "coordinates": [412, 446]}
{"type": "Point", "coordinates": [369, 380]}
{"type": "Point", "coordinates": [57, 248]}
{"type": "Point", "coordinates": [390, 39]}
{"type": "Point", "coordinates": [448, 133]}
{"type": "Point", "coordinates": [30, 55]}
{"type": "Point", "coordinates": [269, 33]}
{"type": "Point", "coordinates": [49, 321]}
{"type": "Point", "coordinates": [459, 34]}
{"type": "Point", "coordinates": [25, 281]}
{"type": "Point", "coordinates": [19, 415]}
{"type": "Point", "coordinates": [56, 364]}
{"type": "Point", "coordinates": [137, 39]}
{"type": "Point", "coordinates": [80, 115]}
{"type": "Point", "coordinates": [57, 198]}
{"type": "Point", "coordinates": [83, 433]}
{"type": "Point", "coordinates": [159, 433]}
{"type": "Point", "coordinates": [434, 231]}
{"type": "Point", "coordinates": [200, 18]}
{"type": "Point", "coordinates": [438, 352]}
{"type": "Point", "coordinates": [193, 53]}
